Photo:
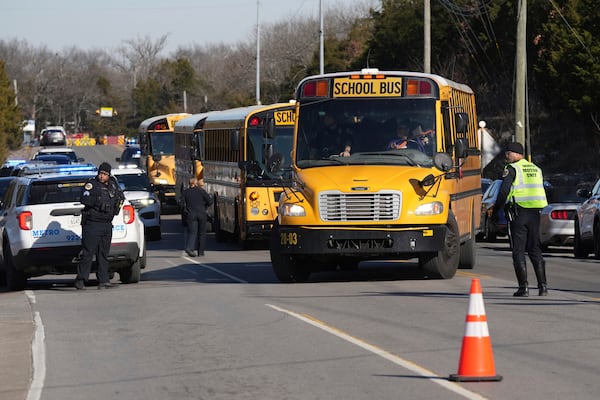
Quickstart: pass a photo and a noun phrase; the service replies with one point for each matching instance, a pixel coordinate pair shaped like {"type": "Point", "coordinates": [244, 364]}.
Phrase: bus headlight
{"type": "Point", "coordinates": [292, 210]}
{"type": "Point", "coordinates": [434, 208]}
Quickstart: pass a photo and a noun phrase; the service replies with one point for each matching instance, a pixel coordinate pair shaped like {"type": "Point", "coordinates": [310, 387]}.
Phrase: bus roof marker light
{"type": "Point", "coordinates": [369, 71]}
{"type": "Point", "coordinates": [412, 87]}
{"type": "Point", "coordinates": [254, 121]}
{"type": "Point", "coordinates": [323, 88]}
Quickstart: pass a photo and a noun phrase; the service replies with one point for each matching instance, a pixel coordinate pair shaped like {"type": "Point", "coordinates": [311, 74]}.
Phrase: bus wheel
{"type": "Point", "coordinates": [219, 233]}
{"type": "Point", "coordinates": [287, 267]}
{"type": "Point", "coordinates": [443, 264]}
{"type": "Point", "coordinates": [467, 253]}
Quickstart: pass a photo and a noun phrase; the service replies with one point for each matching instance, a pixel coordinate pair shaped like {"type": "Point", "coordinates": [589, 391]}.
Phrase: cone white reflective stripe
{"type": "Point", "coordinates": [477, 329]}
{"type": "Point", "coordinates": [476, 306]}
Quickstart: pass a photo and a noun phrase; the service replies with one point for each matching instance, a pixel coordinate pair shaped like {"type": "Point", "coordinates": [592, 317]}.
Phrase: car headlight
{"type": "Point", "coordinates": [434, 208]}
{"type": "Point", "coordinates": [147, 202]}
{"type": "Point", "coordinates": [292, 210]}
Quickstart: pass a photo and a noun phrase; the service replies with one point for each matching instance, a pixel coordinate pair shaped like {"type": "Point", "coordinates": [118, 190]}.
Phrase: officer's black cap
{"type": "Point", "coordinates": [104, 167]}
{"type": "Point", "coordinates": [515, 147]}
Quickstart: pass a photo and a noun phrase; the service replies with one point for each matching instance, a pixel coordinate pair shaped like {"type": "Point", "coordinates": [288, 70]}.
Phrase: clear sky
{"type": "Point", "coordinates": [89, 24]}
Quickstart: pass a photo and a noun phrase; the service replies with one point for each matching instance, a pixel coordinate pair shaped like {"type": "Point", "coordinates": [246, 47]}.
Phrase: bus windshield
{"type": "Point", "coordinates": [263, 153]}
{"type": "Point", "coordinates": [162, 143]}
{"type": "Point", "coordinates": [387, 131]}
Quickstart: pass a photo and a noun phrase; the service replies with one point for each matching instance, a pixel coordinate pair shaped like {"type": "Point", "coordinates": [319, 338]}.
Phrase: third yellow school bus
{"type": "Point", "coordinates": [386, 165]}
{"type": "Point", "coordinates": [158, 158]}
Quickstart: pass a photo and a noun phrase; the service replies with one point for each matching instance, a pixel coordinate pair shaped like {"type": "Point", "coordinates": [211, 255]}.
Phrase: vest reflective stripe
{"type": "Point", "coordinates": [528, 187]}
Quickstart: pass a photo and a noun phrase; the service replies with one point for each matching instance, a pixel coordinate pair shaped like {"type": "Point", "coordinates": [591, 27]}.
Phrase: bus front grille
{"type": "Point", "coordinates": [380, 206]}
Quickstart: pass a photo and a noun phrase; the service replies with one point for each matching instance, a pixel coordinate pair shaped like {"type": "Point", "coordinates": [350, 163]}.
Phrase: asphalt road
{"type": "Point", "coordinates": [223, 327]}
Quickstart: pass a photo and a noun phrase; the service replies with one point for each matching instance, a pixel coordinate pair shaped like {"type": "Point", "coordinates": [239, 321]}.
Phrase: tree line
{"type": "Point", "coordinates": [472, 41]}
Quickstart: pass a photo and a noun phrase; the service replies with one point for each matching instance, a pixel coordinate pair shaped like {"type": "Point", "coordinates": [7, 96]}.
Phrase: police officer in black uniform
{"type": "Point", "coordinates": [195, 202]}
{"type": "Point", "coordinates": [102, 198]}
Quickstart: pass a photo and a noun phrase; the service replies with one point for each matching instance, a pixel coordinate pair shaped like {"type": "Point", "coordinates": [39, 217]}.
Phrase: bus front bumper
{"type": "Point", "coordinates": [370, 242]}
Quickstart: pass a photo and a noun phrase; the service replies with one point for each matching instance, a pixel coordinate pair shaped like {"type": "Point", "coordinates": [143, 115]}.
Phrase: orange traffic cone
{"type": "Point", "coordinates": [476, 359]}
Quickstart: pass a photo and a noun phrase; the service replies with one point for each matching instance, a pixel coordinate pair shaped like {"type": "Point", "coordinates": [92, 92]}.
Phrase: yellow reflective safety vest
{"type": "Point", "coordinates": [527, 190]}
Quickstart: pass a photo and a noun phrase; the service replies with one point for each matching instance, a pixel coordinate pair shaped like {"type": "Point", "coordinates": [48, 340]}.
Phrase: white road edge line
{"type": "Point", "coordinates": [235, 278]}
{"type": "Point", "coordinates": [430, 375]}
{"type": "Point", "coordinates": [38, 352]}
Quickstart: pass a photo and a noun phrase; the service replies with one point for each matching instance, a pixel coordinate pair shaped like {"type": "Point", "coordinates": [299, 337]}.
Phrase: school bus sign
{"type": "Point", "coordinates": [348, 87]}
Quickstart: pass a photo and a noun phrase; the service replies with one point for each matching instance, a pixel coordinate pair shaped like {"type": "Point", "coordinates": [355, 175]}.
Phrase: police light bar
{"type": "Point", "coordinates": [57, 169]}
{"type": "Point", "coordinates": [12, 163]}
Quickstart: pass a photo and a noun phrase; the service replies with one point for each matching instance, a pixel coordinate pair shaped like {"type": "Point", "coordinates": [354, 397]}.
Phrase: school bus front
{"type": "Point", "coordinates": [385, 167]}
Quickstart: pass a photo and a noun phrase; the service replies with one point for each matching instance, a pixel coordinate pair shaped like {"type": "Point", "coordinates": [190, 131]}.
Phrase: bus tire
{"type": "Point", "coordinates": [467, 252]}
{"type": "Point", "coordinates": [220, 236]}
{"type": "Point", "coordinates": [287, 267]}
{"type": "Point", "coordinates": [443, 264]}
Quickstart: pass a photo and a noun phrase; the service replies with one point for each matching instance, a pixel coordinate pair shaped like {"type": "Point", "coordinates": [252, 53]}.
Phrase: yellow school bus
{"type": "Point", "coordinates": [245, 157]}
{"type": "Point", "coordinates": [157, 154]}
{"type": "Point", "coordinates": [386, 165]}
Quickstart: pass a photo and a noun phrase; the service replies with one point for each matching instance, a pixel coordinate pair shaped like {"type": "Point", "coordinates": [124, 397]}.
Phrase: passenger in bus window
{"type": "Point", "coordinates": [400, 141]}
{"type": "Point", "coordinates": [421, 139]}
{"type": "Point", "coordinates": [334, 139]}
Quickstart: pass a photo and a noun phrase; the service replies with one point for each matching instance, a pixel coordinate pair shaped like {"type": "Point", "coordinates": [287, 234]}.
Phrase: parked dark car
{"type": "Point", "coordinates": [490, 229]}
{"type": "Point", "coordinates": [130, 156]}
{"type": "Point", "coordinates": [53, 136]}
{"type": "Point", "coordinates": [53, 158]}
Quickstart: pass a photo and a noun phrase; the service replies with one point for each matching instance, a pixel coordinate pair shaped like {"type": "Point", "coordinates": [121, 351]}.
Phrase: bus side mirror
{"type": "Point", "coordinates": [234, 141]}
{"type": "Point", "coordinates": [461, 120]}
{"type": "Point", "coordinates": [156, 157]}
{"type": "Point", "coordinates": [267, 151]}
{"type": "Point", "coordinates": [442, 161]}
{"type": "Point", "coordinates": [269, 131]}
{"type": "Point", "coordinates": [461, 147]}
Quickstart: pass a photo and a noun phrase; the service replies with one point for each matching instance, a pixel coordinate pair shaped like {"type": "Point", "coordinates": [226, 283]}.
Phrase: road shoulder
{"type": "Point", "coordinates": [16, 334]}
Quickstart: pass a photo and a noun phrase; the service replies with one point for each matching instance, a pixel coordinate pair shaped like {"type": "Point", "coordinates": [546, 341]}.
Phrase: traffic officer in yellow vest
{"type": "Point", "coordinates": [522, 196]}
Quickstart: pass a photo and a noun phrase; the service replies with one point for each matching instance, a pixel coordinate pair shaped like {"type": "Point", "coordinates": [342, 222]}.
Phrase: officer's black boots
{"type": "Point", "coordinates": [79, 284]}
{"type": "Point", "coordinates": [540, 273]}
{"type": "Point", "coordinates": [521, 272]}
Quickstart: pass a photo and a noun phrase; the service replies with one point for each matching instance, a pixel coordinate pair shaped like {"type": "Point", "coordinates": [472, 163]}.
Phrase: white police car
{"type": "Point", "coordinates": [137, 189]}
{"type": "Point", "coordinates": [40, 228]}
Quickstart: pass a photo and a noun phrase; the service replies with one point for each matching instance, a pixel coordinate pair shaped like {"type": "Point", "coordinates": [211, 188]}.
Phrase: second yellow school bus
{"type": "Point", "coordinates": [243, 157]}
{"type": "Point", "coordinates": [386, 165]}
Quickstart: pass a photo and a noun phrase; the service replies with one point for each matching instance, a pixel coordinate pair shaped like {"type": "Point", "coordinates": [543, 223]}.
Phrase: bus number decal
{"type": "Point", "coordinates": [285, 117]}
{"type": "Point", "coordinates": [345, 87]}
{"type": "Point", "coordinates": [290, 238]}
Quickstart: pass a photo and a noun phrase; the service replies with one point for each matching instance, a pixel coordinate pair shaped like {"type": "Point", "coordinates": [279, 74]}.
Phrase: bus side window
{"type": "Point", "coordinates": [446, 126]}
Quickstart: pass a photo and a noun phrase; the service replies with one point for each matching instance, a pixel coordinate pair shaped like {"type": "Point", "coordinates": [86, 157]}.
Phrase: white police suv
{"type": "Point", "coordinates": [40, 227]}
{"type": "Point", "coordinates": [137, 189]}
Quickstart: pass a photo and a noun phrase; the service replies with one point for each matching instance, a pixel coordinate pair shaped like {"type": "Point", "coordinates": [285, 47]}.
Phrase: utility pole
{"type": "Point", "coordinates": [427, 36]}
{"type": "Point", "coordinates": [321, 46]}
{"type": "Point", "coordinates": [257, 52]}
{"type": "Point", "coordinates": [521, 75]}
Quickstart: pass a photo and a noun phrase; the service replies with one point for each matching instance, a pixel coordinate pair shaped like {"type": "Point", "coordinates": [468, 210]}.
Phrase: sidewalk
{"type": "Point", "coordinates": [16, 334]}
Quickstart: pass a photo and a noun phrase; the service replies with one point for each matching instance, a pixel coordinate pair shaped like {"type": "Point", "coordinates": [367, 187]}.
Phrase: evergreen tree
{"type": "Point", "coordinates": [11, 135]}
